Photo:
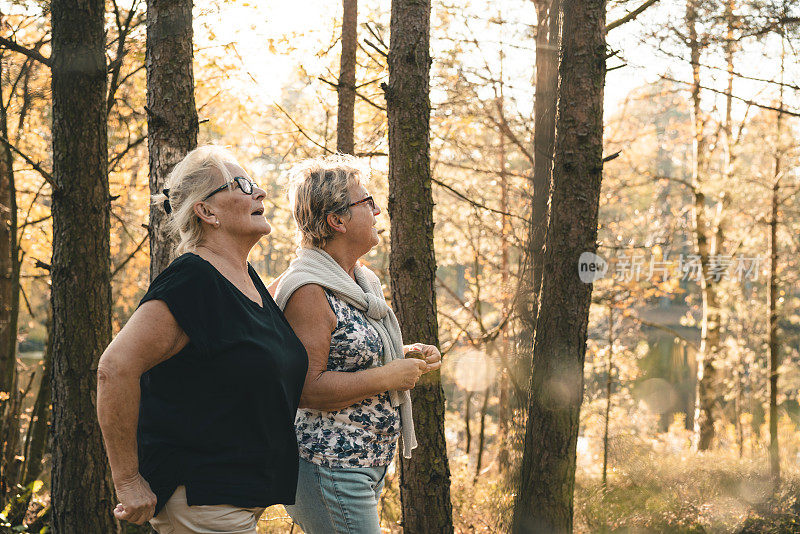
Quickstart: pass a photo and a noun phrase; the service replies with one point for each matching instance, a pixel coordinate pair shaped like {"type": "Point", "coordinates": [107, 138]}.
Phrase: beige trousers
{"type": "Point", "coordinates": [177, 517]}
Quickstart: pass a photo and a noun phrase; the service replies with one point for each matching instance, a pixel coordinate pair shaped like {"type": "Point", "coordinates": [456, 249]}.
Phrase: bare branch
{"type": "Point", "coordinates": [630, 16]}
{"type": "Point", "coordinates": [37, 167]}
{"type": "Point", "coordinates": [375, 47]}
{"type": "Point", "coordinates": [33, 54]}
{"type": "Point", "coordinates": [359, 95]}
{"type": "Point", "coordinates": [300, 129]}
{"type": "Point", "coordinates": [131, 145]}
{"type": "Point", "coordinates": [745, 100]}
{"type": "Point", "coordinates": [475, 202]}
{"type": "Point", "coordinates": [130, 256]}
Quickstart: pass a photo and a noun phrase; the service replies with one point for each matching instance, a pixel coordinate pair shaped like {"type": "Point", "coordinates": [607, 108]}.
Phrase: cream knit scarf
{"type": "Point", "coordinates": [315, 266]}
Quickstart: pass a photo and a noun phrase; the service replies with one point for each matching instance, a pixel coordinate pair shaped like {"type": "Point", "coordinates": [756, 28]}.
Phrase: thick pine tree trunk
{"type": "Point", "coordinates": [81, 492]}
{"type": "Point", "coordinates": [547, 479]}
{"type": "Point", "coordinates": [425, 478]}
{"type": "Point", "coordinates": [172, 124]}
{"type": "Point", "coordinates": [345, 122]}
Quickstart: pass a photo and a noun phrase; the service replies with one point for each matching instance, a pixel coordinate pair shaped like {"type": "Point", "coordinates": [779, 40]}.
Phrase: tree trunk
{"type": "Point", "coordinates": [36, 442]}
{"type": "Point", "coordinates": [81, 490]}
{"type": "Point", "coordinates": [36, 439]}
{"type": "Point", "coordinates": [482, 433]}
{"type": "Point", "coordinates": [425, 478]}
{"type": "Point", "coordinates": [345, 122]}
{"type": "Point", "coordinates": [610, 368]}
{"type": "Point", "coordinates": [545, 104]}
{"type": "Point", "coordinates": [547, 479]}
{"type": "Point", "coordinates": [172, 124]}
{"type": "Point", "coordinates": [707, 407]}
{"type": "Point", "coordinates": [504, 408]}
{"type": "Point", "coordinates": [9, 260]}
{"type": "Point", "coordinates": [9, 304]}
{"type": "Point", "coordinates": [774, 348]}
{"type": "Point", "coordinates": [467, 418]}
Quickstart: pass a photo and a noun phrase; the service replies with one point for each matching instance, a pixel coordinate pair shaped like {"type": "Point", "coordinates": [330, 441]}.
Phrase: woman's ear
{"type": "Point", "coordinates": [205, 213]}
{"type": "Point", "coordinates": [336, 222]}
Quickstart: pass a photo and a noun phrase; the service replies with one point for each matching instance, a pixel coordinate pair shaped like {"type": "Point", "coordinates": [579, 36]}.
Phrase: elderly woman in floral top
{"type": "Point", "coordinates": [355, 402]}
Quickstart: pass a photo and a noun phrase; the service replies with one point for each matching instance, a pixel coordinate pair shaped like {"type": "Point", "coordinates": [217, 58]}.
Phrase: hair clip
{"type": "Point", "coordinates": [167, 205]}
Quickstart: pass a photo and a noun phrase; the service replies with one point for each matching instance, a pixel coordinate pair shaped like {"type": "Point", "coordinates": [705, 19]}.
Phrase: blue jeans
{"type": "Point", "coordinates": [338, 500]}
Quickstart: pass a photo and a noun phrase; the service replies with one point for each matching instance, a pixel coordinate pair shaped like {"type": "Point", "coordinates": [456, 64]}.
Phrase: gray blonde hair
{"type": "Point", "coordinates": [318, 187]}
{"type": "Point", "coordinates": [193, 178]}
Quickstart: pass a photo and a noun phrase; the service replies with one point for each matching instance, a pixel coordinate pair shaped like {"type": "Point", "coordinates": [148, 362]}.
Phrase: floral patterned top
{"type": "Point", "coordinates": [364, 434]}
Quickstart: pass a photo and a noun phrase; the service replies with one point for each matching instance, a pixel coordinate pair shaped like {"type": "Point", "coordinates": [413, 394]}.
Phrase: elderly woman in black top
{"type": "Point", "coordinates": [197, 394]}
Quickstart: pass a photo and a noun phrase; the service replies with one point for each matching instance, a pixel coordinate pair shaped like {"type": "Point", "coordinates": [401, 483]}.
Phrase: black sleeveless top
{"type": "Point", "coordinates": [218, 417]}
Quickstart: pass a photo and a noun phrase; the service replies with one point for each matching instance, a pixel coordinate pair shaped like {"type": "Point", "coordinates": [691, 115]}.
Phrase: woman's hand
{"type": "Point", "coordinates": [137, 501]}
{"type": "Point", "coordinates": [432, 355]}
{"type": "Point", "coordinates": [402, 375]}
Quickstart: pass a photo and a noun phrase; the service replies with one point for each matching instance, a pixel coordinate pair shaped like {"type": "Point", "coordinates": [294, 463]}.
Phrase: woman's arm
{"type": "Point", "coordinates": [313, 321]}
{"type": "Point", "coordinates": [150, 336]}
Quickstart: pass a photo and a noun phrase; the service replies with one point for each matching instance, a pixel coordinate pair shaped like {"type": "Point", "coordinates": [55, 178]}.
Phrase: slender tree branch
{"type": "Point", "coordinates": [36, 221]}
{"type": "Point", "coordinates": [359, 95]}
{"type": "Point", "coordinates": [475, 202]}
{"type": "Point", "coordinates": [37, 167]}
{"type": "Point", "coordinates": [301, 130]}
{"type": "Point", "coordinates": [131, 145]}
{"type": "Point", "coordinates": [745, 100]}
{"type": "Point", "coordinates": [27, 302]}
{"type": "Point", "coordinates": [478, 169]}
{"type": "Point", "coordinates": [33, 54]}
{"type": "Point", "coordinates": [130, 256]}
{"type": "Point", "coordinates": [630, 16]}
{"type": "Point", "coordinates": [375, 47]}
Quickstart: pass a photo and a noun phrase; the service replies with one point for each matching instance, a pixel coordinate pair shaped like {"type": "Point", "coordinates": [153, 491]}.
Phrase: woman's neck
{"type": "Point", "coordinates": [225, 251]}
{"type": "Point", "coordinates": [345, 258]}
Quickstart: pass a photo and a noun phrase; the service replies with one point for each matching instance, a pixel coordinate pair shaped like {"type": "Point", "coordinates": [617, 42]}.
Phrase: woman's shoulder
{"type": "Point", "coordinates": [185, 271]}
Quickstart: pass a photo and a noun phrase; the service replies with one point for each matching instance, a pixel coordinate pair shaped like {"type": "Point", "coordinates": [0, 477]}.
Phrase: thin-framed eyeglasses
{"type": "Point", "coordinates": [244, 184]}
{"type": "Point", "coordinates": [368, 200]}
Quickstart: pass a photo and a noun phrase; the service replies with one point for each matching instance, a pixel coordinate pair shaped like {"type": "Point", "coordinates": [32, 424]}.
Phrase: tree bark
{"type": "Point", "coordinates": [81, 491]}
{"type": "Point", "coordinates": [425, 478]}
{"type": "Point", "coordinates": [482, 433]}
{"type": "Point", "coordinates": [547, 478]}
{"type": "Point", "coordinates": [9, 306]}
{"type": "Point", "coordinates": [708, 241]}
{"type": "Point", "coordinates": [774, 348]}
{"type": "Point", "coordinates": [172, 124]}
{"type": "Point", "coordinates": [547, 45]}
{"type": "Point", "coordinates": [9, 260]}
{"type": "Point", "coordinates": [346, 91]}
{"type": "Point", "coordinates": [36, 442]}
{"type": "Point", "coordinates": [544, 112]}
{"type": "Point", "coordinates": [610, 370]}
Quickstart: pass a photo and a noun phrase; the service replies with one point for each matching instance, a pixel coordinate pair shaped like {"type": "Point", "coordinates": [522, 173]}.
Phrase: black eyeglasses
{"type": "Point", "coordinates": [243, 183]}
{"type": "Point", "coordinates": [369, 200]}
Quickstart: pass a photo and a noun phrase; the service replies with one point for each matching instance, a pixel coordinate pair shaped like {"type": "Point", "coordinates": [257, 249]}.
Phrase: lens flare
{"type": "Point", "coordinates": [474, 370]}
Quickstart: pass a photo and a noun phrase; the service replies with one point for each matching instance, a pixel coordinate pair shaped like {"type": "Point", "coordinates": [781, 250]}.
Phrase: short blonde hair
{"type": "Point", "coordinates": [189, 182]}
{"type": "Point", "coordinates": [319, 186]}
